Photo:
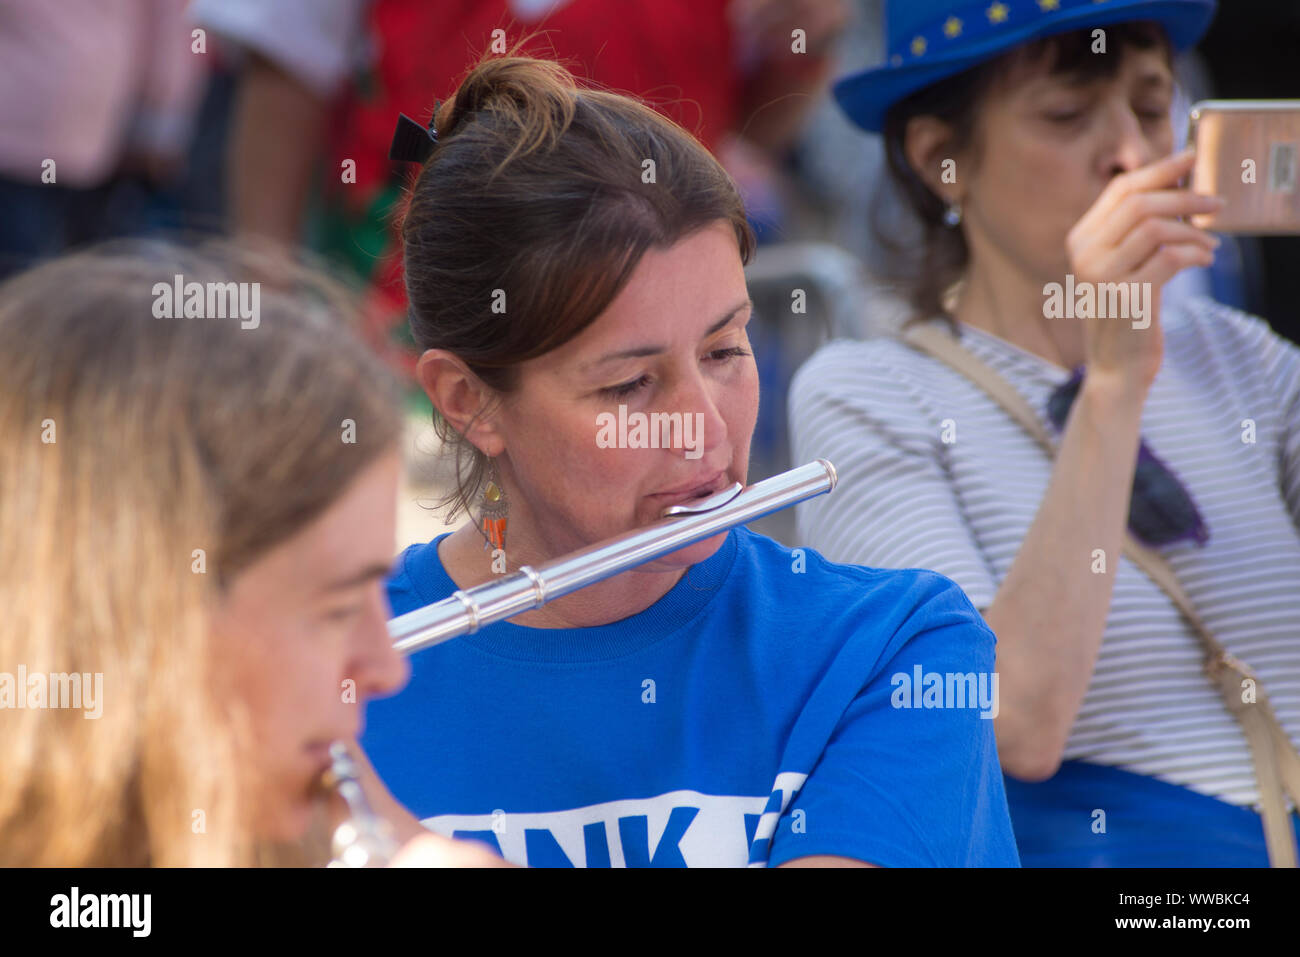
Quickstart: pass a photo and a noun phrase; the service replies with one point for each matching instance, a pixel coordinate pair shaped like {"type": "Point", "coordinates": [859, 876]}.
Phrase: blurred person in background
{"type": "Point", "coordinates": [322, 80]}
{"type": "Point", "coordinates": [97, 112]}
{"type": "Point", "coordinates": [842, 168]}
{"type": "Point", "coordinates": [1184, 432]}
{"type": "Point", "coordinates": [185, 524]}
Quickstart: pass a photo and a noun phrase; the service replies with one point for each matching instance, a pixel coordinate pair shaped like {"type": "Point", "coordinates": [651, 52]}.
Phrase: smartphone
{"type": "Point", "coordinates": [1248, 153]}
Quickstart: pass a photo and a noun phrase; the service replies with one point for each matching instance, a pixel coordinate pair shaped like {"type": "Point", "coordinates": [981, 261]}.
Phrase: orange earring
{"type": "Point", "coordinates": [493, 509]}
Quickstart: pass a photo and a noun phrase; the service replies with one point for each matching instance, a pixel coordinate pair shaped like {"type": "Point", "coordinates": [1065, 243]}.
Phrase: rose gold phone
{"type": "Point", "coordinates": [1248, 152]}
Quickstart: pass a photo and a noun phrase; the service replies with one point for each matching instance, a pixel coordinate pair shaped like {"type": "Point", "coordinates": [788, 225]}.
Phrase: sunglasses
{"type": "Point", "coordinates": [1161, 510]}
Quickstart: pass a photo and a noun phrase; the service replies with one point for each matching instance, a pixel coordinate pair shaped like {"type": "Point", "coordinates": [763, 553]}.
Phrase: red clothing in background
{"type": "Point", "coordinates": [676, 55]}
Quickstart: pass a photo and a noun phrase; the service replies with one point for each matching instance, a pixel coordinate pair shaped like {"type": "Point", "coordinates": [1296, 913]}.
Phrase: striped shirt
{"type": "Point", "coordinates": [933, 474]}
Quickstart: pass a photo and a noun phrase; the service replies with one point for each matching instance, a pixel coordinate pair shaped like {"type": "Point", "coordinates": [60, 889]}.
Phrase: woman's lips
{"type": "Point", "coordinates": [319, 756]}
{"type": "Point", "coordinates": [696, 489]}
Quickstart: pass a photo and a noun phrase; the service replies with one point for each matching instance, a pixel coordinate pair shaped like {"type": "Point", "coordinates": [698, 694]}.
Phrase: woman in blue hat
{"type": "Point", "coordinates": [1068, 448]}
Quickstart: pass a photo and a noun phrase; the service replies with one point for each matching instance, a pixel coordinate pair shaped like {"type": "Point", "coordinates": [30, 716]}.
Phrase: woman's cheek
{"type": "Point", "coordinates": [583, 455]}
{"type": "Point", "coordinates": [746, 412]}
{"type": "Point", "coordinates": [328, 667]}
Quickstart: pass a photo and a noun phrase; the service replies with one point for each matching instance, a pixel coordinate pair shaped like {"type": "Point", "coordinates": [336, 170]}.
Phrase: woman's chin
{"type": "Point", "coordinates": [289, 818]}
{"type": "Point", "coordinates": [684, 558]}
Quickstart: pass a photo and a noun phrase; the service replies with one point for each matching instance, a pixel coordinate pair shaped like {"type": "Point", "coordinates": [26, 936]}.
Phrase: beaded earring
{"type": "Point", "coordinates": [493, 509]}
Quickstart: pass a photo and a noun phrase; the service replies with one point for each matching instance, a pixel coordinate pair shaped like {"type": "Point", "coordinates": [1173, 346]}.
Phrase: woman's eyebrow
{"type": "Point", "coordinates": [377, 570]}
{"type": "Point", "coordinates": [747, 304]}
{"type": "Point", "coordinates": [1159, 81]}
{"type": "Point", "coordinates": [642, 351]}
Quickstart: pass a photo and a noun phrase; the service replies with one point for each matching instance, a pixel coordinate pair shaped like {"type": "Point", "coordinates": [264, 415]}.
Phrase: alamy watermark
{"type": "Point", "coordinates": [1098, 300]}
{"type": "Point", "coordinates": [212, 300]}
{"type": "Point", "coordinates": [933, 689]}
{"type": "Point", "coordinates": [653, 430]}
{"type": "Point", "coordinates": [84, 691]}
{"type": "Point", "coordinates": [132, 912]}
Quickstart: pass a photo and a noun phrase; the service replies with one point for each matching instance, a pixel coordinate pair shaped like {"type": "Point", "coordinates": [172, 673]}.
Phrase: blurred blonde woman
{"type": "Point", "coordinates": [196, 515]}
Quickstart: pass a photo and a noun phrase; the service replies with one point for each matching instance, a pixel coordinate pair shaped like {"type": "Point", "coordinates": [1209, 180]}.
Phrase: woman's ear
{"type": "Point", "coordinates": [927, 144]}
{"type": "Point", "coordinates": [462, 398]}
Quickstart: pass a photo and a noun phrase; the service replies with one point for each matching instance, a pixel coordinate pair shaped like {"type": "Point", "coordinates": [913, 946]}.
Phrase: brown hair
{"type": "Point", "coordinates": [128, 441]}
{"type": "Point", "coordinates": [943, 256]}
{"type": "Point", "coordinates": [535, 193]}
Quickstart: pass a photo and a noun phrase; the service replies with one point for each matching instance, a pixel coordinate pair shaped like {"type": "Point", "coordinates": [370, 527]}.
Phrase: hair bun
{"type": "Point", "coordinates": [535, 96]}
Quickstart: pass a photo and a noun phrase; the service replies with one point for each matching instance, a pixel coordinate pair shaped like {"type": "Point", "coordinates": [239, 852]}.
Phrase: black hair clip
{"type": "Point", "coordinates": [413, 143]}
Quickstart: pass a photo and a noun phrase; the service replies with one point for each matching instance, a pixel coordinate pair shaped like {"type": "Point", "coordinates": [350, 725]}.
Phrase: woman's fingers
{"type": "Point", "coordinates": [1158, 204]}
{"type": "Point", "coordinates": [1134, 231]}
{"type": "Point", "coordinates": [1171, 259]}
{"type": "Point", "coordinates": [1142, 242]}
{"type": "Point", "coordinates": [1163, 174]}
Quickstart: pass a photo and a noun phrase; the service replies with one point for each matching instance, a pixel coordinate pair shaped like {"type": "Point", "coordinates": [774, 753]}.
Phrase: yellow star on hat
{"type": "Point", "coordinates": [997, 13]}
{"type": "Point", "coordinates": [952, 27]}
{"type": "Point", "coordinates": [918, 46]}
{"type": "Point", "coordinates": [1047, 6]}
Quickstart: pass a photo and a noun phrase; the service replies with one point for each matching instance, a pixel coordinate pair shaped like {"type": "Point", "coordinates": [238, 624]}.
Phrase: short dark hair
{"type": "Point", "coordinates": [928, 274]}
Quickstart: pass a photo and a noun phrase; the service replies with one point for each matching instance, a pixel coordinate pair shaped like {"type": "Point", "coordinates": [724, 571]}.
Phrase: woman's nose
{"type": "Point", "coordinates": [1132, 148]}
{"type": "Point", "coordinates": [376, 665]}
{"type": "Point", "coordinates": [696, 398]}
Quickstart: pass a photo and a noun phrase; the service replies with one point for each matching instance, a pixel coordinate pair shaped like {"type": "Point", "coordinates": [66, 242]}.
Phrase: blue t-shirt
{"type": "Point", "coordinates": [770, 706]}
{"type": "Point", "coordinates": [1087, 815]}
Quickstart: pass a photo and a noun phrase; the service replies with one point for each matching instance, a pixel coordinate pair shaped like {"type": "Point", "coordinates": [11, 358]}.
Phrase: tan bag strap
{"type": "Point", "coordinates": [1277, 765]}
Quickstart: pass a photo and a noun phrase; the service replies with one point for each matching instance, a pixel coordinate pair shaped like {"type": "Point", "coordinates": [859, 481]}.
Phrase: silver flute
{"type": "Point", "coordinates": [366, 839]}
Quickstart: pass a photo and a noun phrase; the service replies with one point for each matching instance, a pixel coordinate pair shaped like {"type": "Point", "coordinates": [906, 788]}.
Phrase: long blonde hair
{"type": "Point", "coordinates": [144, 461]}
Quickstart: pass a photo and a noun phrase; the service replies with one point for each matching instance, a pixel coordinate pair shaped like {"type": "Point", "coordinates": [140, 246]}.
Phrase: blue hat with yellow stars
{"type": "Point", "coordinates": [930, 40]}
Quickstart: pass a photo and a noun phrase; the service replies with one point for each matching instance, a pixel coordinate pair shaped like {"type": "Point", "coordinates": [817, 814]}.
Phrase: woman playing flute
{"type": "Point", "coordinates": [574, 264]}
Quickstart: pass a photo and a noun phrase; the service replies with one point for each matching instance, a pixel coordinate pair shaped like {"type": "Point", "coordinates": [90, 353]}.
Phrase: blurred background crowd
{"type": "Point", "coordinates": [273, 117]}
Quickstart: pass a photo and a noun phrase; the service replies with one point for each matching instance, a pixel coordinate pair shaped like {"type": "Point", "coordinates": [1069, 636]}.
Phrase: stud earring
{"type": "Point", "coordinates": [952, 215]}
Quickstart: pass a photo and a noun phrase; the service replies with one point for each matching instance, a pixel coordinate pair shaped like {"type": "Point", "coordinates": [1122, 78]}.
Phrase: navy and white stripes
{"type": "Point", "coordinates": [933, 474]}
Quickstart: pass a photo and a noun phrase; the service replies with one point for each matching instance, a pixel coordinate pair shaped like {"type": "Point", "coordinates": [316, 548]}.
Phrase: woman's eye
{"type": "Point", "coordinates": [627, 388]}
{"type": "Point", "coordinates": [1065, 117]}
{"type": "Point", "coordinates": [343, 614]}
